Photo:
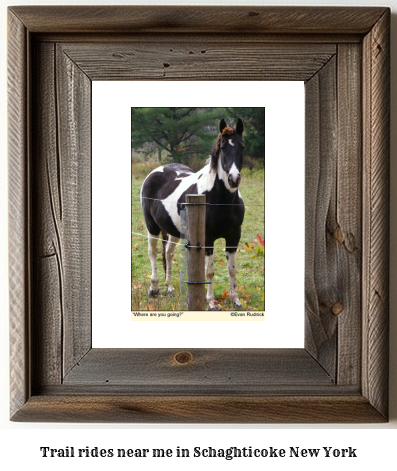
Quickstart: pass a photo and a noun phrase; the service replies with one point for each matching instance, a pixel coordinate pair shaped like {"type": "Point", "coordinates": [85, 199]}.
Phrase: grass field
{"type": "Point", "coordinates": [250, 268]}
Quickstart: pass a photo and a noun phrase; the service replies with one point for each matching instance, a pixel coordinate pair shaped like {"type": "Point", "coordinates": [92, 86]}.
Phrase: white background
{"type": "Point", "coordinates": [111, 215]}
{"type": "Point", "coordinates": [20, 442]}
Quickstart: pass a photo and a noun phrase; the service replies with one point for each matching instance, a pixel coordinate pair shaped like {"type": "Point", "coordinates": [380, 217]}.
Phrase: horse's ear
{"type": "Point", "coordinates": [239, 126]}
{"type": "Point", "coordinates": [222, 125]}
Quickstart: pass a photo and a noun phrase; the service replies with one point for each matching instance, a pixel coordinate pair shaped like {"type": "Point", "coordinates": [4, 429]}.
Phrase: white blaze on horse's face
{"type": "Point", "coordinates": [234, 174]}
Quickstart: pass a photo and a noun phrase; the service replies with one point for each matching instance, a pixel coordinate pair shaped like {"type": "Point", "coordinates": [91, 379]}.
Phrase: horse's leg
{"type": "Point", "coordinates": [169, 253]}
{"type": "Point", "coordinates": [209, 274]}
{"type": "Point", "coordinates": [154, 287]}
{"type": "Point", "coordinates": [231, 258]}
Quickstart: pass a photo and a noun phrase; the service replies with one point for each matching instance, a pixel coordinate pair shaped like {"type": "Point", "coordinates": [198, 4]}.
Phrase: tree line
{"type": "Point", "coordinates": [184, 134]}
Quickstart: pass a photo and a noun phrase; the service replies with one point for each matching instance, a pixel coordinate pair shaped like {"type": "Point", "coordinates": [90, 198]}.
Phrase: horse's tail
{"type": "Point", "coordinates": [165, 240]}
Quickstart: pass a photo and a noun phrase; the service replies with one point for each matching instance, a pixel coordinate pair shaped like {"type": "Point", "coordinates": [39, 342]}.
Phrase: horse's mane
{"type": "Point", "coordinates": [227, 131]}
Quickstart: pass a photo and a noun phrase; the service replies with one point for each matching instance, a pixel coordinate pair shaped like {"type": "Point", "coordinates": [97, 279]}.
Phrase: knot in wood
{"type": "Point", "coordinates": [183, 358]}
{"type": "Point", "coordinates": [338, 235]}
{"type": "Point", "coordinates": [337, 308]}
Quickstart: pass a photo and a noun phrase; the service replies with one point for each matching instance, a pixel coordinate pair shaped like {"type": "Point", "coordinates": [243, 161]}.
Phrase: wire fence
{"type": "Point", "coordinates": [189, 246]}
{"type": "Point", "coordinates": [207, 204]}
{"type": "Point", "coordinates": [248, 290]}
{"type": "Point", "coordinates": [183, 204]}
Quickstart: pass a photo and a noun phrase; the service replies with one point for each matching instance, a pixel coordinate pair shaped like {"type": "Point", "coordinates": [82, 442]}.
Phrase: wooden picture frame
{"type": "Point", "coordinates": [342, 54]}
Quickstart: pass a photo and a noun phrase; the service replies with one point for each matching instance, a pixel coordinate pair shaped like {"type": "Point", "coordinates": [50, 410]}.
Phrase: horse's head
{"type": "Point", "coordinates": [231, 146]}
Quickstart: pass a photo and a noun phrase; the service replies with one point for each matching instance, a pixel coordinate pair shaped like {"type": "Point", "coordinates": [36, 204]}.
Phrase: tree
{"type": "Point", "coordinates": [181, 132]}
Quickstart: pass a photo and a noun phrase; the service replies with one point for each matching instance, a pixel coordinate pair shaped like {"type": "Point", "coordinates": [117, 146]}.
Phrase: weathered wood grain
{"type": "Point", "coordinates": [321, 277]}
{"type": "Point", "coordinates": [62, 208]}
{"type": "Point", "coordinates": [198, 19]}
{"type": "Point", "coordinates": [214, 59]}
{"type": "Point", "coordinates": [19, 227]}
{"type": "Point", "coordinates": [252, 369]}
{"type": "Point", "coordinates": [193, 39]}
{"type": "Point", "coordinates": [199, 409]}
{"type": "Point", "coordinates": [48, 295]}
{"type": "Point", "coordinates": [347, 228]}
{"type": "Point", "coordinates": [376, 110]}
{"type": "Point", "coordinates": [195, 223]}
{"type": "Point", "coordinates": [73, 90]}
{"type": "Point", "coordinates": [49, 136]}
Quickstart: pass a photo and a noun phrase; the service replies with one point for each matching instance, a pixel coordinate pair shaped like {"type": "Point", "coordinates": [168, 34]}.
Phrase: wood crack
{"type": "Point", "coordinates": [58, 254]}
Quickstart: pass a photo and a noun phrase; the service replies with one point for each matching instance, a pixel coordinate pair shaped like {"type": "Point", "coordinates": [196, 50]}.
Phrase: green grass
{"type": "Point", "coordinates": [250, 271]}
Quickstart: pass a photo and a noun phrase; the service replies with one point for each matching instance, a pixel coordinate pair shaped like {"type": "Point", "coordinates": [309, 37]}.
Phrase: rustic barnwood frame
{"type": "Point", "coordinates": [342, 54]}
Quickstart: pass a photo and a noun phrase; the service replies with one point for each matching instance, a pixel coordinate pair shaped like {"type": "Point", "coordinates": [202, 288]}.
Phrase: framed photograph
{"type": "Point", "coordinates": [111, 113]}
{"type": "Point", "coordinates": [182, 150]}
{"type": "Point", "coordinates": [57, 56]}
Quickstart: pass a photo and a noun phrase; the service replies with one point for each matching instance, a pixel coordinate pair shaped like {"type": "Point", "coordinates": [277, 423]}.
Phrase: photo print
{"type": "Point", "coordinates": [216, 152]}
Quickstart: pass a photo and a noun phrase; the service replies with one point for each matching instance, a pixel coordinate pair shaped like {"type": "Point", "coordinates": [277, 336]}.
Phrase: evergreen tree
{"type": "Point", "coordinates": [182, 132]}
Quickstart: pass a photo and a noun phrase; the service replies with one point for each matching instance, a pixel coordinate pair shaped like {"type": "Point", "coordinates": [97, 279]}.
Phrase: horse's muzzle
{"type": "Point", "coordinates": [234, 182]}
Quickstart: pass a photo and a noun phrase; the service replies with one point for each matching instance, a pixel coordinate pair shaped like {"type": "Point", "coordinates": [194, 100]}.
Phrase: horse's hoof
{"type": "Point", "coordinates": [171, 292]}
{"type": "Point", "coordinates": [213, 308]}
{"type": "Point", "coordinates": [237, 305]}
{"type": "Point", "coordinates": [153, 294]}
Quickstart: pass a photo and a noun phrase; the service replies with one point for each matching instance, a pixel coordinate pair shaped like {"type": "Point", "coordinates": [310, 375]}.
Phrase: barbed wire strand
{"type": "Point", "coordinates": [157, 238]}
{"type": "Point", "coordinates": [192, 246]}
{"type": "Point", "coordinates": [177, 278]}
{"type": "Point", "coordinates": [208, 204]}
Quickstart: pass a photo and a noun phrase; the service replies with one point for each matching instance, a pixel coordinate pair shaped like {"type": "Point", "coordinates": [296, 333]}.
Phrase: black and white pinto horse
{"type": "Point", "coordinates": [165, 188]}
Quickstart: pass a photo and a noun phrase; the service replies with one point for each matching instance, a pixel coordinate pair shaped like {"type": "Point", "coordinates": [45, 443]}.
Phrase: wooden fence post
{"type": "Point", "coordinates": [195, 223]}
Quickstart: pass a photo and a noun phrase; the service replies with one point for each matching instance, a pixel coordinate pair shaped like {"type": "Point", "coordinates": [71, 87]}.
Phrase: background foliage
{"type": "Point", "coordinates": [186, 135]}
